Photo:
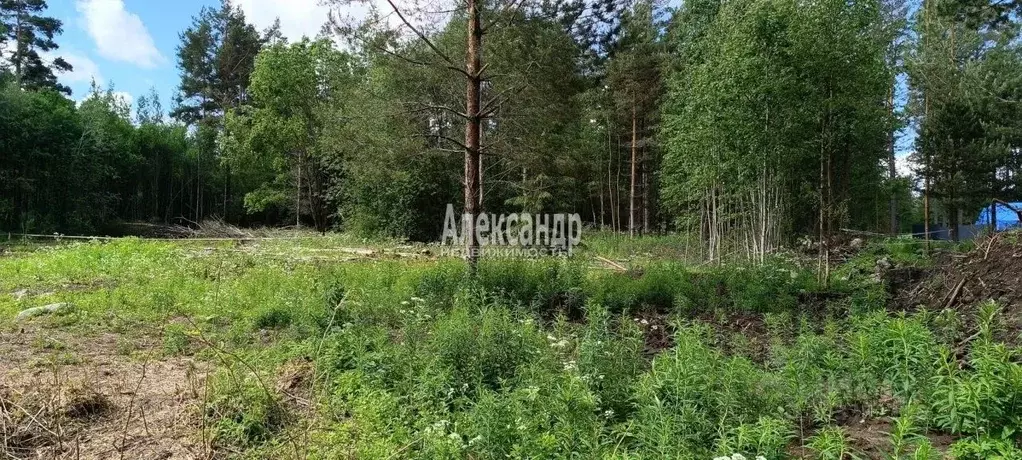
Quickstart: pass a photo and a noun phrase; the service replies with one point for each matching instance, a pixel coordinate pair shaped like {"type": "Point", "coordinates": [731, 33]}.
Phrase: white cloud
{"type": "Point", "coordinates": [84, 69]}
{"type": "Point", "coordinates": [119, 34]}
{"type": "Point", "coordinates": [125, 98]}
{"type": "Point", "coordinates": [297, 17]}
{"type": "Point", "coordinates": [904, 165]}
{"type": "Point", "coordinates": [306, 17]}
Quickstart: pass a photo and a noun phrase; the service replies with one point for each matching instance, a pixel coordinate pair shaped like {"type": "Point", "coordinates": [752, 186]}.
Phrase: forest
{"type": "Point", "coordinates": [748, 123]}
{"type": "Point", "coordinates": [255, 269]}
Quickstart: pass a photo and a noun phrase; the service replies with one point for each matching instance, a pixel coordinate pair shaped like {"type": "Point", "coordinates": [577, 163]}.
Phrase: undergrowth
{"type": "Point", "coordinates": [544, 358]}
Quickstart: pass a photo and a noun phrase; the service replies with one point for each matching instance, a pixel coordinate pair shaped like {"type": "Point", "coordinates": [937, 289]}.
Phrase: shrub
{"type": "Point", "coordinates": [175, 339]}
{"type": "Point", "coordinates": [693, 390]}
{"type": "Point", "coordinates": [985, 448]}
{"type": "Point", "coordinates": [900, 350]}
{"type": "Point", "coordinates": [609, 360]}
{"type": "Point", "coordinates": [486, 348]}
{"type": "Point", "coordinates": [242, 411]}
{"type": "Point", "coordinates": [831, 443]}
{"type": "Point", "coordinates": [766, 438]}
{"type": "Point", "coordinates": [986, 400]}
{"type": "Point", "coordinates": [272, 318]}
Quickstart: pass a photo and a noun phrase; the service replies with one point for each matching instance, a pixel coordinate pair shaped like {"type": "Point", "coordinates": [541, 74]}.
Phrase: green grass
{"type": "Point", "coordinates": [533, 358]}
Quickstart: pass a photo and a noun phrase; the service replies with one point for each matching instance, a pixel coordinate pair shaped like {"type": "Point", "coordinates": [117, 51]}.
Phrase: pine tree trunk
{"type": "Point", "coordinates": [634, 171]}
{"type": "Point", "coordinates": [472, 132]}
{"type": "Point", "coordinates": [646, 192]}
{"type": "Point", "coordinates": [892, 170]}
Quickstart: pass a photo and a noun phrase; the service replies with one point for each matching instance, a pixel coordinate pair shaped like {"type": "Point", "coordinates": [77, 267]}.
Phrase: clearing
{"type": "Point", "coordinates": [335, 347]}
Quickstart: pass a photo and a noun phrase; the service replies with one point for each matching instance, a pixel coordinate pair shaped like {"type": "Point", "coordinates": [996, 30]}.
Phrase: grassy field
{"type": "Point", "coordinates": [335, 347]}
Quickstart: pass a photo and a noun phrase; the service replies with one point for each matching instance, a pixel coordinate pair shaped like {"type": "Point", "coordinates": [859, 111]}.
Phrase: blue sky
{"type": "Point", "coordinates": [107, 44]}
{"type": "Point", "coordinates": [132, 43]}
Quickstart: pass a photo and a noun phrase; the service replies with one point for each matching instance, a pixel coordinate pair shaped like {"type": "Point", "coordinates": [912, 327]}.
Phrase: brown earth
{"type": "Point", "coordinates": [991, 271]}
{"type": "Point", "coordinates": [74, 395]}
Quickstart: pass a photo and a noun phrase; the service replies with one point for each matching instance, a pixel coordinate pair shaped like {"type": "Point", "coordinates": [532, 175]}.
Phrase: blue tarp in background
{"type": "Point", "coordinates": [1006, 218]}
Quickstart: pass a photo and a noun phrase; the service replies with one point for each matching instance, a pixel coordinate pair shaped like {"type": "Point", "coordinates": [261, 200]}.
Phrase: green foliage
{"type": "Point", "coordinates": [693, 390]}
{"type": "Point", "coordinates": [961, 93]}
{"type": "Point", "coordinates": [175, 340]}
{"type": "Point", "coordinates": [294, 91]}
{"type": "Point", "coordinates": [902, 352]}
{"type": "Point", "coordinates": [26, 36]}
{"type": "Point", "coordinates": [485, 349]}
{"type": "Point", "coordinates": [831, 443]}
{"type": "Point", "coordinates": [241, 411]}
{"type": "Point", "coordinates": [753, 117]}
{"type": "Point", "coordinates": [412, 355]}
{"type": "Point", "coordinates": [987, 448]}
{"type": "Point", "coordinates": [609, 359]}
{"type": "Point", "coordinates": [983, 401]}
{"type": "Point", "coordinates": [75, 169]}
{"type": "Point", "coordinates": [768, 437]}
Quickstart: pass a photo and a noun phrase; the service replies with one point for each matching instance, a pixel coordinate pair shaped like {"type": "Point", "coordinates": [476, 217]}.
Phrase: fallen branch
{"type": "Point", "coordinates": [990, 243]}
{"type": "Point", "coordinates": [954, 293]}
{"type": "Point", "coordinates": [612, 263]}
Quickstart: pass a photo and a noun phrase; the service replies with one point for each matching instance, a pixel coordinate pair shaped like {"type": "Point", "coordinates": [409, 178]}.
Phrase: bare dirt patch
{"type": "Point", "coordinates": [65, 395]}
{"type": "Point", "coordinates": [991, 271]}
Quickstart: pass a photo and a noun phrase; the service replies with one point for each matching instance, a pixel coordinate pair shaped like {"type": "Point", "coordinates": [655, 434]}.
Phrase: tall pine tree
{"type": "Point", "coordinates": [24, 34]}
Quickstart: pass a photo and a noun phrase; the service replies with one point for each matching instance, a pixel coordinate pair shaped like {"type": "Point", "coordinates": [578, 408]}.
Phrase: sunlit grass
{"type": "Point", "coordinates": [410, 354]}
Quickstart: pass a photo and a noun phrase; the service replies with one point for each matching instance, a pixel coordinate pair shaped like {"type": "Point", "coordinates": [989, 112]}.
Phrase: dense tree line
{"type": "Point", "coordinates": [747, 123]}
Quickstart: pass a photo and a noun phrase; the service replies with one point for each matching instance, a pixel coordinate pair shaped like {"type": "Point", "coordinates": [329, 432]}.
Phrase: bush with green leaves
{"type": "Point", "coordinates": [766, 438]}
{"type": "Point", "coordinates": [242, 410]}
{"type": "Point", "coordinates": [986, 448]}
{"type": "Point", "coordinates": [832, 443]}
{"type": "Point", "coordinates": [691, 391]}
{"type": "Point", "coordinates": [986, 399]}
